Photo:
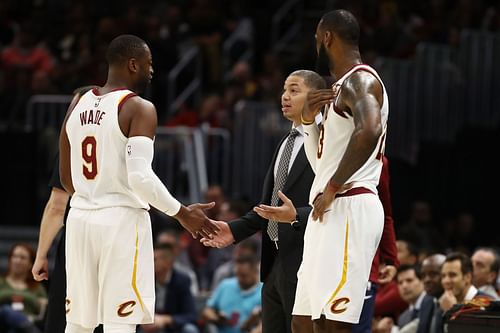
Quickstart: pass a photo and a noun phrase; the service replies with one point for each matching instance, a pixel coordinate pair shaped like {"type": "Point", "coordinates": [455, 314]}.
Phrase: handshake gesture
{"type": "Point", "coordinates": [194, 220]}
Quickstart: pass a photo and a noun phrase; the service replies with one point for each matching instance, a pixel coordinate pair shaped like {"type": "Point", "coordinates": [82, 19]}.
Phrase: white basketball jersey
{"type": "Point", "coordinates": [337, 128]}
{"type": "Point", "coordinates": [98, 167]}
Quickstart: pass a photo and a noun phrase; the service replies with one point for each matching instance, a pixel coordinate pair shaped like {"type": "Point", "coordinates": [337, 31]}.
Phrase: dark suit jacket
{"type": "Point", "coordinates": [179, 301]}
{"type": "Point", "coordinates": [438, 318]}
{"type": "Point", "coordinates": [291, 240]}
{"type": "Point", "coordinates": [425, 314]}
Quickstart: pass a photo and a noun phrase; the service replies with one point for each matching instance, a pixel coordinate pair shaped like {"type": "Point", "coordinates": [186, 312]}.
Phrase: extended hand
{"type": "Point", "coordinates": [40, 269]}
{"type": "Point", "coordinates": [285, 213]}
{"type": "Point", "coordinates": [315, 100]}
{"type": "Point", "coordinates": [222, 239]}
{"type": "Point", "coordinates": [194, 220]}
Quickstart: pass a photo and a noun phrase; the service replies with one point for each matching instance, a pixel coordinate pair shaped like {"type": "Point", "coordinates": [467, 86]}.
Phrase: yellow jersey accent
{"type": "Point", "coordinates": [134, 272]}
{"type": "Point", "coordinates": [344, 268]}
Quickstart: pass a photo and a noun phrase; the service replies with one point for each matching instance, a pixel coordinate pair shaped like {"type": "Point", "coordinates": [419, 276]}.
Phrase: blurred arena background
{"type": "Point", "coordinates": [219, 71]}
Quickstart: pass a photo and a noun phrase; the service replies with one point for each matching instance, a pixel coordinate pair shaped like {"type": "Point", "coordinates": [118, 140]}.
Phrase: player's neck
{"type": "Point", "coordinates": [115, 81]}
{"type": "Point", "coordinates": [346, 62]}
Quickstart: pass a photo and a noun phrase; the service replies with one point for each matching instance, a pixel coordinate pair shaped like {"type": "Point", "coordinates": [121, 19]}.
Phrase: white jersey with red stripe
{"type": "Point", "coordinates": [98, 148]}
{"type": "Point", "coordinates": [337, 128]}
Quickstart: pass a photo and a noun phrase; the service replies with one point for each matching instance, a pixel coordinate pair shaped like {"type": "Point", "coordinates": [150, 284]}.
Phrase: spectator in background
{"type": "Point", "coordinates": [235, 299]}
{"type": "Point", "coordinates": [456, 278]}
{"type": "Point", "coordinates": [388, 301]}
{"type": "Point", "coordinates": [24, 299]}
{"type": "Point", "coordinates": [175, 310]}
{"type": "Point", "coordinates": [462, 234]}
{"type": "Point", "coordinates": [420, 229]}
{"type": "Point", "coordinates": [411, 289]}
{"type": "Point", "coordinates": [171, 237]}
{"type": "Point", "coordinates": [246, 248]}
{"type": "Point", "coordinates": [486, 263]}
{"type": "Point", "coordinates": [431, 274]}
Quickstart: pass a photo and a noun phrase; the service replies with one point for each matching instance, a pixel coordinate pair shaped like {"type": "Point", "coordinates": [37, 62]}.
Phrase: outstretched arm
{"type": "Point", "coordinates": [138, 121]}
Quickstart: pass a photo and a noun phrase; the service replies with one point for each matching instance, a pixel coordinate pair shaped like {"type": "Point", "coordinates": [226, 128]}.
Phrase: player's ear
{"type": "Point", "coordinates": [328, 38]}
{"type": "Point", "coordinates": [132, 65]}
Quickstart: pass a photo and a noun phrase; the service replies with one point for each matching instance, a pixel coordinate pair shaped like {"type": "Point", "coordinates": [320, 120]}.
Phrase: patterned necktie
{"type": "Point", "coordinates": [279, 181]}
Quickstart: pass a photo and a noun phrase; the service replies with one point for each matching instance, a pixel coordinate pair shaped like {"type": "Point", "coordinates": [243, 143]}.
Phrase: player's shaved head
{"type": "Point", "coordinates": [343, 24]}
{"type": "Point", "coordinates": [311, 79]}
{"type": "Point", "coordinates": [125, 47]}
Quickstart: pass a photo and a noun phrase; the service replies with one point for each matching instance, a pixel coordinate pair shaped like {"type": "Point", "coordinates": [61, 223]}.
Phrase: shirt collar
{"type": "Point", "coordinates": [470, 293]}
{"type": "Point", "coordinates": [299, 129]}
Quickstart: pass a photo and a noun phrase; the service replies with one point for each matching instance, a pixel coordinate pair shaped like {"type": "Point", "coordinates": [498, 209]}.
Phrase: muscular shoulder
{"type": "Point", "coordinates": [361, 84]}
{"type": "Point", "coordinates": [138, 105]}
{"type": "Point", "coordinates": [138, 117]}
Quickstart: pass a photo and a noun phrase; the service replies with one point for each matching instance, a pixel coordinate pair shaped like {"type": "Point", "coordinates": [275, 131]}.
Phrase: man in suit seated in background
{"type": "Point", "coordinates": [175, 309]}
{"type": "Point", "coordinates": [419, 313]}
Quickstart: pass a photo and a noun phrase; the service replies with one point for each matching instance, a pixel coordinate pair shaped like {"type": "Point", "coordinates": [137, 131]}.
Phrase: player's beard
{"type": "Point", "coordinates": [323, 62]}
{"type": "Point", "coordinates": [142, 85]}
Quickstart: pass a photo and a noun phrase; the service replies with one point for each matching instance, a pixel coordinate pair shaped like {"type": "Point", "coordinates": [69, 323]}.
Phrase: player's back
{"type": "Point", "coordinates": [98, 167]}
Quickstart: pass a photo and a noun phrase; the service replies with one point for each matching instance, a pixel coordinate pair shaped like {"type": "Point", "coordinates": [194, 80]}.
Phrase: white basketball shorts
{"type": "Point", "coordinates": [337, 259]}
{"type": "Point", "coordinates": [110, 267]}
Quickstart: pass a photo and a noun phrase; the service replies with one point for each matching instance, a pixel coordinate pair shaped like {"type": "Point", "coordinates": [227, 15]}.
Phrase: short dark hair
{"type": "Point", "coordinates": [250, 244]}
{"type": "Point", "coordinates": [247, 259]}
{"type": "Point", "coordinates": [343, 23]}
{"type": "Point", "coordinates": [312, 79]}
{"type": "Point", "coordinates": [123, 48]}
{"type": "Point", "coordinates": [415, 268]}
{"type": "Point", "coordinates": [465, 262]}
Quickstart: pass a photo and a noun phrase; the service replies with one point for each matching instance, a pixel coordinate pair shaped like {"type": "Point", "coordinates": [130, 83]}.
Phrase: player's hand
{"type": "Point", "coordinates": [386, 274]}
{"type": "Point", "coordinates": [325, 199]}
{"type": "Point", "coordinates": [222, 239]}
{"type": "Point", "coordinates": [315, 100]}
{"type": "Point", "coordinates": [285, 213]}
{"type": "Point", "coordinates": [194, 220]}
{"type": "Point", "coordinates": [40, 269]}
{"type": "Point", "coordinates": [321, 203]}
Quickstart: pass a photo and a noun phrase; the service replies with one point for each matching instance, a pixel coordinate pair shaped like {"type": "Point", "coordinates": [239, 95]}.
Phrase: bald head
{"type": "Point", "coordinates": [431, 274]}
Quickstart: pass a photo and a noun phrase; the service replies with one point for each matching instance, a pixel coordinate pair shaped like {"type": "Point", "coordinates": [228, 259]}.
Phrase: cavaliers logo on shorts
{"type": "Point", "coordinates": [339, 305]}
{"type": "Point", "coordinates": [126, 309]}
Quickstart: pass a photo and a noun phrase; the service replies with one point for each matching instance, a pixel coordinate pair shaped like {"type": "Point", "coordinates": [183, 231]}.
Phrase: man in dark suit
{"type": "Point", "coordinates": [175, 309]}
{"type": "Point", "coordinates": [418, 316]}
{"type": "Point", "coordinates": [282, 243]}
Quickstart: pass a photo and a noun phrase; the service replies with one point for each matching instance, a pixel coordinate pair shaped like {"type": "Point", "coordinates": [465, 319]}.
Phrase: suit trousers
{"type": "Point", "coordinates": [278, 296]}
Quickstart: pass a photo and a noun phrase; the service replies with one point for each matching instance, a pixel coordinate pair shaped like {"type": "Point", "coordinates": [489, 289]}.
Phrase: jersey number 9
{"type": "Point", "coordinates": [89, 155]}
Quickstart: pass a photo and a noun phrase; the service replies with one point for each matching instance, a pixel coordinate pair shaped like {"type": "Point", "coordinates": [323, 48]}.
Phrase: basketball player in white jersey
{"type": "Point", "coordinates": [346, 223]}
{"type": "Point", "coordinates": [106, 150]}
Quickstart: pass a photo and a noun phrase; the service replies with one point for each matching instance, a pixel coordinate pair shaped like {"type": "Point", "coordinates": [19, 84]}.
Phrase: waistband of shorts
{"type": "Point", "coordinates": [354, 191]}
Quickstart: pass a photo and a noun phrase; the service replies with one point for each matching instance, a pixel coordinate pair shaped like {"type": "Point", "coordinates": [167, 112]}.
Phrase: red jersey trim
{"type": "Point", "coordinates": [97, 93]}
{"type": "Point", "coordinates": [124, 99]}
